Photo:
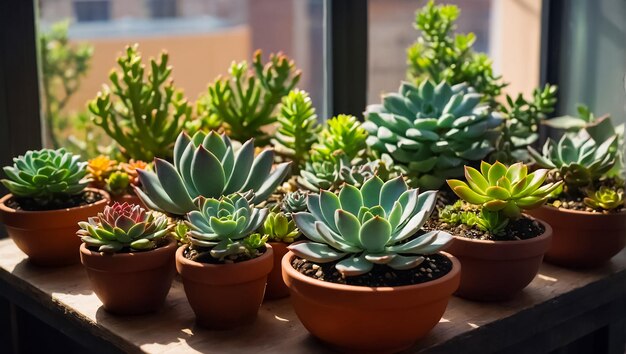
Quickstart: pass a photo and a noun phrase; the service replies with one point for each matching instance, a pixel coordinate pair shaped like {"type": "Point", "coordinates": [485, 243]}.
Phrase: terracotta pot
{"type": "Point", "coordinates": [49, 237]}
{"type": "Point", "coordinates": [225, 296]}
{"type": "Point", "coordinates": [276, 288]}
{"type": "Point", "coordinates": [497, 270]}
{"type": "Point", "coordinates": [127, 198]}
{"type": "Point", "coordinates": [369, 319]}
{"type": "Point", "coordinates": [131, 283]}
{"type": "Point", "coordinates": [582, 239]}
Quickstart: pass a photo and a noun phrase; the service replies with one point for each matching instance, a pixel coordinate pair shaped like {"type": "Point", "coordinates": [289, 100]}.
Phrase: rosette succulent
{"type": "Point", "coordinates": [294, 202]}
{"type": "Point", "coordinates": [605, 198]}
{"type": "Point", "coordinates": [99, 169]}
{"type": "Point", "coordinates": [320, 174]}
{"type": "Point", "coordinates": [509, 190]}
{"type": "Point", "coordinates": [580, 161]}
{"type": "Point", "coordinates": [207, 165]}
{"type": "Point", "coordinates": [375, 224]}
{"type": "Point", "coordinates": [433, 130]}
{"type": "Point", "coordinates": [279, 227]}
{"type": "Point", "coordinates": [223, 224]}
{"type": "Point", "coordinates": [124, 227]}
{"type": "Point", "coordinates": [45, 175]}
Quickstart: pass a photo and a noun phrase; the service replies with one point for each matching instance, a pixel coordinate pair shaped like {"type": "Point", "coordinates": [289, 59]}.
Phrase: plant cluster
{"type": "Point", "coordinates": [118, 178]}
{"type": "Point", "coordinates": [280, 227]}
{"type": "Point", "coordinates": [605, 198]}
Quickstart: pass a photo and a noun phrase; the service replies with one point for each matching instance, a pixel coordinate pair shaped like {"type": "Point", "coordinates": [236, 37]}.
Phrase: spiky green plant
{"type": "Point", "coordinates": [605, 198]}
{"type": "Point", "coordinates": [246, 100]}
{"type": "Point", "coordinates": [280, 227]}
{"type": "Point", "coordinates": [294, 202]}
{"type": "Point", "coordinates": [508, 190]}
{"type": "Point", "coordinates": [371, 225]}
{"type": "Point", "coordinates": [343, 133]}
{"type": "Point", "coordinates": [147, 113]}
{"type": "Point", "coordinates": [46, 175]}
{"type": "Point", "coordinates": [206, 165]}
{"type": "Point", "coordinates": [124, 227]}
{"type": "Point", "coordinates": [432, 130]}
{"type": "Point", "coordinates": [222, 226]}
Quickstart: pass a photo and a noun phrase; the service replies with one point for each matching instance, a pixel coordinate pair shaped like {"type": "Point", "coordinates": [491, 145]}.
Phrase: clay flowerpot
{"type": "Point", "coordinates": [276, 288]}
{"type": "Point", "coordinates": [49, 237]}
{"type": "Point", "coordinates": [225, 296]}
{"type": "Point", "coordinates": [497, 270]}
{"type": "Point", "coordinates": [131, 283]}
{"type": "Point", "coordinates": [583, 239]}
{"type": "Point", "coordinates": [369, 319]}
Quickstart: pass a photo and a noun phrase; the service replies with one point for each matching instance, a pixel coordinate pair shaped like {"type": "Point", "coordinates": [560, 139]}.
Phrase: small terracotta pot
{"type": "Point", "coordinates": [369, 319]}
{"type": "Point", "coordinates": [497, 270]}
{"type": "Point", "coordinates": [127, 198]}
{"type": "Point", "coordinates": [225, 296]}
{"type": "Point", "coordinates": [276, 288]}
{"type": "Point", "coordinates": [49, 237]}
{"type": "Point", "coordinates": [131, 283]}
{"type": "Point", "coordinates": [583, 239]}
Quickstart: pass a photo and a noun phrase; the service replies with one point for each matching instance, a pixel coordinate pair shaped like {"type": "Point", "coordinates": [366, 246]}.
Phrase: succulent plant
{"type": "Point", "coordinates": [149, 112]}
{"type": "Point", "coordinates": [46, 174]}
{"type": "Point", "coordinates": [206, 165]}
{"type": "Point", "coordinates": [247, 100]}
{"type": "Point", "coordinates": [321, 174]}
{"type": "Point", "coordinates": [118, 183]}
{"type": "Point", "coordinates": [371, 225]}
{"type": "Point", "coordinates": [298, 127]}
{"type": "Point", "coordinates": [458, 213]}
{"type": "Point", "coordinates": [509, 190]}
{"type": "Point", "coordinates": [131, 167]}
{"type": "Point", "coordinates": [343, 133]}
{"type": "Point", "coordinates": [222, 225]}
{"type": "Point", "coordinates": [124, 226]}
{"type": "Point", "coordinates": [294, 201]}
{"type": "Point", "coordinates": [432, 130]}
{"type": "Point", "coordinates": [605, 198]}
{"type": "Point", "coordinates": [180, 232]}
{"type": "Point", "coordinates": [579, 161]}
{"type": "Point", "coordinates": [492, 221]}
{"type": "Point", "coordinates": [279, 227]}
{"type": "Point", "coordinates": [99, 169]}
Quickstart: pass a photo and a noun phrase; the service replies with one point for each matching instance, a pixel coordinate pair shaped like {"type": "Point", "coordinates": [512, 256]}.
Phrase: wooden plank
{"type": "Point", "coordinates": [554, 299]}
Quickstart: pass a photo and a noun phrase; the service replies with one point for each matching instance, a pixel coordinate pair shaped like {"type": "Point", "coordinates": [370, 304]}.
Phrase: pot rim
{"type": "Point", "coordinates": [128, 262]}
{"type": "Point", "coordinates": [171, 242]}
{"type": "Point", "coordinates": [547, 232]}
{"type": "Point", "coordinates": [582, 212]}
{"type": "Point", "coordinates": [106, 198]}
{"type": "Point", "coordinates": [292, 272]}
{"type": "Point", "coordinates": [197, 265]}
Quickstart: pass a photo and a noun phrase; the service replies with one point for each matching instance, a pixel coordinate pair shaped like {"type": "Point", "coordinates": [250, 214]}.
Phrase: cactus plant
{"type": "Point", "coordinates": [605, 198]}
{"type": "Point", "coordinates": [371, 225]}
{"type": "Point", "coordinates": [149, 111]}
{"type": "Point", "coordinates": [279, 227]}
{"type": "Point", "coordinates": [432, 130]}
{"type": "Point", "coordinates": [45, 175]}
{"type": "Point", "coordinates": [124, 227]}
{"type": "Point", "coordinates": [206, 165]}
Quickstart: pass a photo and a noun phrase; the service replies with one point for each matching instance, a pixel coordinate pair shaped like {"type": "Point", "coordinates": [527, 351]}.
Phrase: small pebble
{"type": "Point", "coordinates": [315, 266]}
{"type": "Point", "coordinates": [422, 270]}
{"type": "Point", "coordinates": [318, 273]}
{"type": "Point", "coordinates": [429, 275]}
{"type": "Point", "coordinates": [429, 270]}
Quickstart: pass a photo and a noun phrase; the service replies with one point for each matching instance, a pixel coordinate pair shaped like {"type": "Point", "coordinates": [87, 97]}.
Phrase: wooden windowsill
{"type": "Point", "coordinates": [557, 308]}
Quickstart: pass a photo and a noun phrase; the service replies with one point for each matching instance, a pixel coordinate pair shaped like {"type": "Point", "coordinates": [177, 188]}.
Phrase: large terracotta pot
{"type": "Point", "coordinates": [583, 239]}
{"type": "Point", "coordinates": [225, 296]}
{"type": "Point", "coordinates": [369, 319]}
{"type": "Point", "coordinates": [131, 283]}
{"type": "Point", "coordinates": [497, 270]}
{"type": "Point", "coordinates": [276, 288]}
{"type": "Point", "coordinates": [49, 237]}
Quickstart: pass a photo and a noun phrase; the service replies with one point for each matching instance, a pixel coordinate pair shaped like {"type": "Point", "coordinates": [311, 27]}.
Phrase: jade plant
{"type": "Point", "coordinates": [605, 198]}
{"type": "Point", "coordinates": [279, 227]}
{"type": "Point", "coordinates": [207, 165]}
{"type": "Point", "coordinates": [143, 113]}
{"type": "Point", "coordinates": [124, 227]}
{"type": "Point", "coordinates": [46, 176]}
{"type": "Point", "coordinates": [246, 101]}
{"type": "Point", "coordinates": [223, 228]}
{"type": "Point", "coordinates": [378, 223]}
{"type": "Point", "coordinates": [432, 130]}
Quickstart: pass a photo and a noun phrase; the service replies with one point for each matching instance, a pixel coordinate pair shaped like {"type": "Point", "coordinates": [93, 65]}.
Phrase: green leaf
{"type": "Point", "coordinates": [374, 234]}
{"type": "Point", "coordinates": [315, 252]}
{"type": "Point", "coordinates": [207, 174]}
{"type": "Point", "coordinates": [354, 265]}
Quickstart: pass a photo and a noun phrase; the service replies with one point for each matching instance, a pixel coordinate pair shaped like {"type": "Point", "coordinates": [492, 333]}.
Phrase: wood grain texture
{"type": "Point", "coordinates": [556, 299]}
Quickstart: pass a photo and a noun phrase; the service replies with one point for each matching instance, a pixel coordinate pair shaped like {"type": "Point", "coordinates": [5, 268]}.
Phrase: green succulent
{"type": "Point", "coordinates": [321, 174]}
{"type": "Point", "coordinates": [509, 190]}
{"type": "Point", "coordinates": [298, 127]}
{"type": "Point", "coordinates": [580, 161]}
{"type": "Point", "coordinates": [149, 111]}
{"type": "Point", "coordinates": [433, 130]}
{"type": "Point", "coordinates": [605, 198]}
{"type": "Point", "coordinates": [124, 226]}
{"type": "Point", "coordinates": [492, 221]}
{"type": "Point", "coordinates": [294, 202]}
{"type": "Point", "coordinates": [206, 165]}
{"type": "Point", "coordinates": [118, 183]}
{"type": "Point", "coordinates": [371, 225]}
{"type": "Point", "coordinates": [343, 133]}
{"type": "Point", "coordinates": [280, 227]}
{"type": "Point", "coordinates": [223, 224]}
{"type": "Point", "coordinates": [180, 232]}
{"type": "Point", "coordinates": [458, 213]}
{"type": "Point", "coordinates": [45, 175]}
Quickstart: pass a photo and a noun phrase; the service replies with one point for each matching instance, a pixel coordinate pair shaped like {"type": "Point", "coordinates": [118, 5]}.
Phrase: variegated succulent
{"type": "Point", "coordinates": [375, 224]}
{"type": "Point", "coordinates": [207, 165]}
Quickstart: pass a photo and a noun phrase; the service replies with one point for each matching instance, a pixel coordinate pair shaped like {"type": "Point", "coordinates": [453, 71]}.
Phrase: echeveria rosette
{"type": "Point", "coordinates": [207, 165]}
{"type": "Point", "coordinates": [498, 188]}
{"type": "Point", "coordinates": [580, 161]}
{"type": "Point", "coordinates": [222, 224]}
{"type": "Point", "coordinates": [46, 174]}
{"type": "Point", "coordinates": [605, 198]}
{"type": "Point", "coordinates": [122, 226]}
{"type": "Point", "coordinates": [280, 227]}
{"type": "Point", "coordinates": [433, 130]}
{"type": "Point", "coordinates": [370, 225]}
{"type": "Point", "coordinates": [294, 201]}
